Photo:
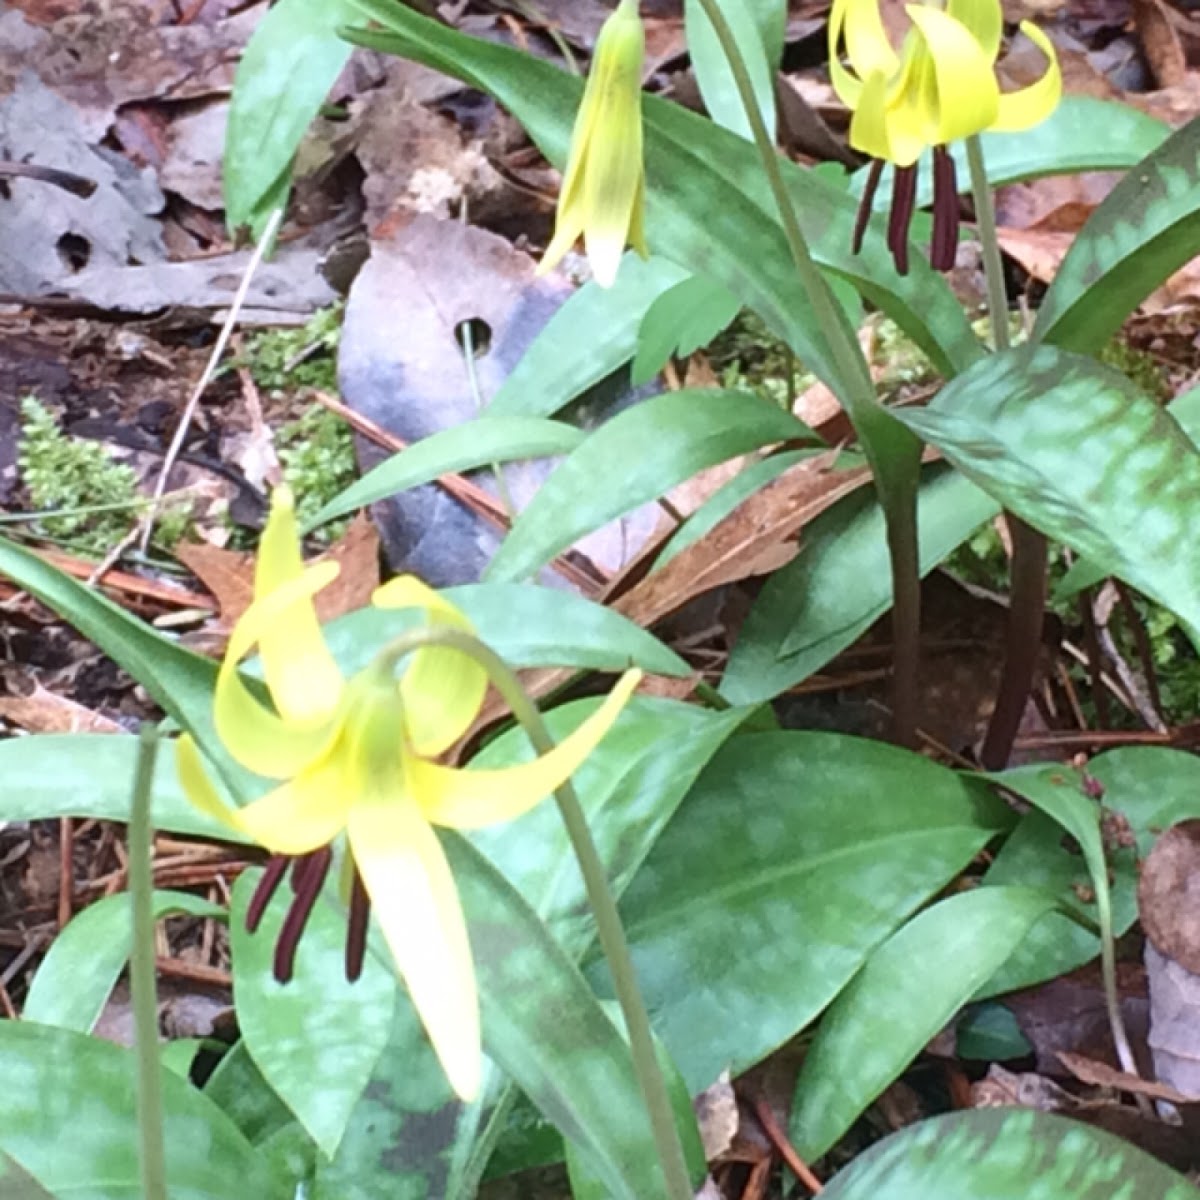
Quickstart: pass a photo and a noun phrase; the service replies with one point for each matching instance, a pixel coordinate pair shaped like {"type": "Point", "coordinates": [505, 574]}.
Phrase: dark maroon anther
{"type": "Point", "coordinates": [904, 202]}
{"type": "Point", "coordinates": [945, 211]}
{"type": "Point", "coordinates": [267, 886]}
{"type": "Point", "coordinates": [356, 927]}
{"type": "Point", "coordinates": [866, 205]}
{"type": "Point", "coordinates": [307, 877]}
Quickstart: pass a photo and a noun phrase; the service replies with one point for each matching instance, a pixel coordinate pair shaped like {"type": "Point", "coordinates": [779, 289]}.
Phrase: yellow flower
{"type": "Point", "coordinates": [359, 756]}
{"type": "Point", "coordinates": [603, 189]}
{"type": "Point", "coordinates": [940, 88]}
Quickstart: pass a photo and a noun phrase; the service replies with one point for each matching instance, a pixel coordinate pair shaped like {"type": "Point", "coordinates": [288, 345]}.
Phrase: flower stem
{"type": "Point", "coordinates": [893, 452]}
{"type": "Point", "coordinates": [1027, 599]}
{"type": "Point", "coordinates": [141, 974]}
{"type": "Point", "coordinates": [604, 907]}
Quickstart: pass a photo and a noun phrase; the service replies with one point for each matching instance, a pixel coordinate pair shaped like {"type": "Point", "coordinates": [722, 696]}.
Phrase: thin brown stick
{"type": "Point", "coordinates": [779, 1139]}
{"type": "Point", "coordinates": [66, 870]}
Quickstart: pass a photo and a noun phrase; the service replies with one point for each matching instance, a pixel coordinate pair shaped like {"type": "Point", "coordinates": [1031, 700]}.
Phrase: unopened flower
{"type": "Point", "coordinates": [603, 188]}
{"type": "Point", "coordinates": [360, 756]}
{"type": "Point", "coordinates": [941, 87]}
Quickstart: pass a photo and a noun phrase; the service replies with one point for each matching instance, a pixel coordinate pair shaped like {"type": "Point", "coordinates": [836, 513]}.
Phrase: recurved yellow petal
{"type": "Point", "coordinates": [867, 44]}
{"type": "Point", "coordinates": [471, 799]}
{"type": "Point", "coordinates": [965, 96]}
{"type": "Point", "coordinates": [197, 786]}
{"type": "Point", "coordinates": [256, 737]}
{"type": "Point", "coordinates": [983, 19]}
{"type": "Point", "coordinates": [300, 672]}
{"type": "Point", "coordinates": [442, 688]}
{"type": "Point", "coordinates": [415, 901]}
{"type": "Point", "coordinates": [301, 815]}
{"type": "Point", "coordinates": [1033, 104]}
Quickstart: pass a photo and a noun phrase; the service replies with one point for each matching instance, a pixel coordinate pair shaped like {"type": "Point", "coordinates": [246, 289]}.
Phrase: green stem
{"type": "Point", "coordinates": [897, 474]}
{"type": "Point", "coordinates": [604, 907]}
{"type": "Point", "coordinates": [1027, 598]}
{"type": "Point", "coordinates": [141, 974]}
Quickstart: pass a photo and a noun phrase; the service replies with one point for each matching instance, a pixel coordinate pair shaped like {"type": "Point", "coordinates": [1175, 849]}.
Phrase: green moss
{"type": "Point", "coordinates": [297, 358]}
{"type": "Point", "coordinates": [1139, 367]}
{"type": "Point", "coordinates": [89, 501]}
{"type": "Point", "coordinates": [316, 452]}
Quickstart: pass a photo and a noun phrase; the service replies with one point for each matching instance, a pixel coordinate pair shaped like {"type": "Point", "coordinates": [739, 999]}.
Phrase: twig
{"type": "Point", "coordinates": [210, 369]}
{"type": "Point", "coordinates": [66, 869]}
{"type": "Point", "coordinates": [779, 1139]}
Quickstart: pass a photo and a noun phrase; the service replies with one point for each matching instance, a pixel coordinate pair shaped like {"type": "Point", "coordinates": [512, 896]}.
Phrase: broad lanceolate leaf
{"type": "Point", "coordinates": [600, 326]}
{"type": "Point", "coordinates": [489, 439]}
{"type": "Point", "coordinates": [180, 681]}
{"type": "Point", "coordinates": [285, 74]}
{"type": "Point", "coordinates": [1147, 227]}
{"type": "Point", "coordinates": [1074, 449]}
{"type": "Point", "coordinates": [713, 73]}
{"type": "Point", "coordinates": [1006, 1154]}
{"type": "Point", "coordinates": [827, 844]}
{"type": "Point", "coordinates": [68, 1116]}
{"type": "Point", "coordinates": [317, 1038]}
{"type": "Point", "coordinates": [659, 443]}
{"type": "Point", "coordinates": [907, 990]}
{"type": "Point", "coordinates": [85, 959]}
{"type": "Point", "coordinates": [527, 625]}
{"type": "Point", "coordinates": [91, 775]}
{"type": "Point", "coordinates": [839, 584]}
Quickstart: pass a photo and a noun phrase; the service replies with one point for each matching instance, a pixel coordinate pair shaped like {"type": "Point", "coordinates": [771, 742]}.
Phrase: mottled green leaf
{"type": "Point", "coordinates": [827, 844]}
{"type": "Point", "coordinates": [179, 681]}
{"type": "Point", "coordinates": [659, 443]}
{"type": "Point", "coordinates": [83, 962]}
{"type": "Point", "coordinates": [1146, 228]}
{"type": "Point", "coordinates": [91, 775]}
{"type": "Point", "coordinates": [68, 1116]}
{"type": "Point", "coordinates": [316, 1039]}
{"type": "Point", "coordinates": [906, 991]}
{"type": "Point", "coordinates": [1006, 1154]}
{"type": "Point", "coordinates": [284, 75]}
{"type": "Point", "coordinates": [1074, 449]}
{"type": "Point", "coordinates": [713, 74]}
{"type": "Point", "coordinates": [17, 1184]}
{"type": "Point", "coordinates": [527, 625]}
{"type": "Point", "coordinates": [601, 326]}
{"type": "Point", "coordinates": [489, 439]}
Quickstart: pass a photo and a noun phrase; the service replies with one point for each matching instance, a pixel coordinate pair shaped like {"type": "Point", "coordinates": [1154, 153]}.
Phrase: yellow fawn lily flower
{"type": "Point", "coordinates": [939, 88]}
{"type": "Point", "coordinates": [359, 756]}
{"type": "Point", "coordinates": [603, 189]}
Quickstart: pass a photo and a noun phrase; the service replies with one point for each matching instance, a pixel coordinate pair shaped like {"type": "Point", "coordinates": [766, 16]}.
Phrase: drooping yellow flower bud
{"type": "Point", "coordinates": [359, 757]}
{"type": "Point", "coordinates": [940, 87]}
{"type": "Point", "coordinates": [603, 189]}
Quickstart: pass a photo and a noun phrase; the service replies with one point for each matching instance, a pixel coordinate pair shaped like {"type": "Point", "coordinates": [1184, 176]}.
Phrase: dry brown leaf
{"type": "Point", "coordinates": [46, 712]}
{"type": "Point", "coordinates": [229, 574]}
{"type": "Point", "coordinates": [756, 538]}
{"type": "Point", "coordinates": [1098, 1074]}
{"type": "Point", "coordinates": [1160, 42]}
